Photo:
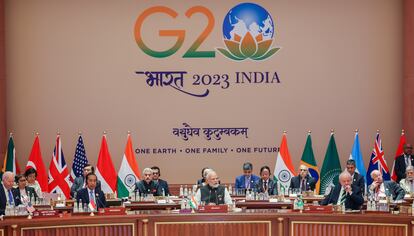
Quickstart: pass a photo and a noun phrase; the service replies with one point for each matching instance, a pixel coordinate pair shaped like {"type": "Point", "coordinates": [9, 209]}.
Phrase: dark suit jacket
{"type": "Point", "coordinates": [3, 200]}
{"type": "Point", "coordinates": [400, 167]}
{"type": "Point", "coordinates": [271, 187]}
{"type": "Point", "coordinates": [78, 185]}
{"type": "Point", "coordinates": [100, 200]}
{"type": "Point", "coordinates": [359, 181]}
{"type": "Point", "coordinates": [394, 190]}
{"type": "Point", "coordinates": [240, 181]}
{"type": "Point", "coordinates": [17, 197]}
{"type": "Point", "coordinates": [310, 182]}
{"type": "Point", "coordinates": [353, 201]}
{"type": "Point", "coordinates": [143, 188]}
{"type": "Point", "coordinates": [162, 184]}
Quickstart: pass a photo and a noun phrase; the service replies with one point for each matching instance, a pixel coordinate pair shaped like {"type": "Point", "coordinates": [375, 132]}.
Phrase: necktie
{"type": "Point", "coordinates": [10, 197]}
{"type": "Point", "coordinates": [247, 183]}
{"type": "Point", "coordinates": [303, 185]}
{"type": "Point", "coordinates": [92, 199]}
{"type": "Point", "coordinates": [343, 197]}
{"type": "Point", "coordinates": [265, 186]}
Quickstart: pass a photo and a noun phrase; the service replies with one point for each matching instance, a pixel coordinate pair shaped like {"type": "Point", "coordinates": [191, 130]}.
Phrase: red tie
{"type": "Point", "coordinates": [92, 199]}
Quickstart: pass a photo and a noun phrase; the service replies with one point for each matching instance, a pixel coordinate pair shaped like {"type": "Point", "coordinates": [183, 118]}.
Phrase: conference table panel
{"type": "Point", "coordinates": [83, 225]}
{"type": "Point", "coordinates": [211, 224]}
{"type": "Point", "coordinates": [350, 224]}
{"type": "Point", "coordinates": [247, 222]}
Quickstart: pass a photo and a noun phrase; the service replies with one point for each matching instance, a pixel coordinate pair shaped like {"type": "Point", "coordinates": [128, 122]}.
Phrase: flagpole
{"type": "Point", "coordinates": [11, 135]}
{"type": "Point", "coordinates": [379, 163]}
{"type": "Point", "coordinates": [37, 134]}
{"type": "Point", "coordinates": [80, 133]}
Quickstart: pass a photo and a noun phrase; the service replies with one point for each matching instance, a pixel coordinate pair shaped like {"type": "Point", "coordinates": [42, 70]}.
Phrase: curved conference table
{"type": "Point", "coordinates": [247, 222]}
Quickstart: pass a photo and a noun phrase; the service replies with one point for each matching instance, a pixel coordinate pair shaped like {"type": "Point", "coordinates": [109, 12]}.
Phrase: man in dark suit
{"type": "Point", "coordinates": [80, 182]}
{"type": "Point", "coordinates": [265, 184]}
{"type": "Point", "coordinates": [248, 180]}
{"type": "Point", "coordinates": [387, 188]}
{"type": "Point", "coordinates": [161, 184]}
{"type": "Point", "coordinates": [146, 185]}
{"type": "Point", "coordinates": [91, 193]}
{"type": "Point", "coordinates": [403, 161]}
{"type": "Point", "coordinates": [6, 194]}
{"type": "Point", "coordinates": [303, 181]}
{"type": "Point", "coordinates": [345, 193]}
{"type": "Point", "coordinates": [357, 179]}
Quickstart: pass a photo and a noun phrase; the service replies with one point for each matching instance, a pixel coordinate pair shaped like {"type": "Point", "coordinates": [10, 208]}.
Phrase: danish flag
{"type": "Point", "coordinates": [58, 172]}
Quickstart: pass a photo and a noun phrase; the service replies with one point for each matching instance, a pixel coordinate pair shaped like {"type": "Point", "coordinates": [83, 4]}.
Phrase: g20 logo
{"type": "Point", "coordinates": [248, 33]}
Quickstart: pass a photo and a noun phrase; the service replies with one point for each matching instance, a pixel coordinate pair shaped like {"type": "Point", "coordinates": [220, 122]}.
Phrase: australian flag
{"type": "Point", "coordinates": [377, 161]}
{"type": "Point", "coordinates": [79, 161]}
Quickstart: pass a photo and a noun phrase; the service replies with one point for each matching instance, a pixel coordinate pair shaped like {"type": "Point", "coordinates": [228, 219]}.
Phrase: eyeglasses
{"type": "Point", "coordinates": [303, 169]}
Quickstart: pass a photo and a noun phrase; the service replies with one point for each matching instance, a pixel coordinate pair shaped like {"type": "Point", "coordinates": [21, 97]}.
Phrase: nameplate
{"type": "Point", "coordinates": [162, 201]}
{"type": "Point", "coordinates": [112, 211]}
{"type": "Point", "coordinates": [318, 209]}
{"type": "Point", "coordinates": [213, 209]}
{"type": "Point", "coordinates": [143, 202]}
{"type": "Point", "coordinates": [45, 213]}
{"type": "Point", "coordinates": [257, 201]}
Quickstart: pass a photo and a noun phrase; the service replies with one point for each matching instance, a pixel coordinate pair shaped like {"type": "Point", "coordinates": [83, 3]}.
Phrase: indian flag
{"type": "Point", "coordinates": [129, 172]}
{"type": "Point", "coordinates": [284, 169]}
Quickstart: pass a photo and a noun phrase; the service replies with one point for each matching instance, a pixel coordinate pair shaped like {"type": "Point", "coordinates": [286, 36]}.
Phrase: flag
{"type": "Point", "coordinates": [284, 169]}
{"type": "Point", "coordinates": [377, 161]}
{"type": "Point", "coordinates": [399, 152]}
{"type": "Point", "coordinates": [79, 161]}
{"type": "Point", "coordinates": [10, 162]}
{"type": "Point", "coordinates": [129, 172]}
{"type": "Point", "coordinates": [356, 155]}
{"type": "Point", "coordinates": [58, 172]}
{"type": "Point", "coordinates": [331, 167]}
{"type": "Point", "coordinates": [308, 159]}
{"type": "Point", "coordinates": [105, 170]}
{"type": "Point", "coordinates": [36, 162]}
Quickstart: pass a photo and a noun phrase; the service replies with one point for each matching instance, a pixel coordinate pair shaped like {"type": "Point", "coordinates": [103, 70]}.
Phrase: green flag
{"type": "Point", "coordinates": [331, 168]}
{"type": "Point", "coordinates": [10, 162]}
{"type": "Point", "coordinates": [308, 159]}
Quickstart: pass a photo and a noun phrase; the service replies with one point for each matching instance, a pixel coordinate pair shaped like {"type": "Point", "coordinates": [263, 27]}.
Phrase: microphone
{"type": "Point", "coordinates": [99, 201]}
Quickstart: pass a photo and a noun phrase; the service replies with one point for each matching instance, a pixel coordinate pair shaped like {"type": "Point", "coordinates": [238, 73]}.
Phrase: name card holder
{"type": "Point", "coordinates": [45, 213]}
{"type": "Point", "coordinates": [213, 209]}
{"type": "Point", "coordinates": [318, 209]}
{"type": "Point", "coordinates": [112, 211]}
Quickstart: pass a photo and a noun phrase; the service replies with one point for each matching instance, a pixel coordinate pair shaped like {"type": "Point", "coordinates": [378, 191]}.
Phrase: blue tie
{"type": "Point", "coordinates": [10, 197]}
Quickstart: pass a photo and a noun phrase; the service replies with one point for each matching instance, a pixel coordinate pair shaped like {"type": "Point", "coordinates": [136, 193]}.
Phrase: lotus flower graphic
{"type": "Point", "coordinates": [248, 32]}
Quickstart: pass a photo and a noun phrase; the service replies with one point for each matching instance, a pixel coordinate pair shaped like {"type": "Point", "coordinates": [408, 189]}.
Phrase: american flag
{"type": "Point", "coordinates": [377, 161]}
{"type": "Point", "coordinates": [79, 161]}
{"type": "Point", "coordinates": [58, 172]}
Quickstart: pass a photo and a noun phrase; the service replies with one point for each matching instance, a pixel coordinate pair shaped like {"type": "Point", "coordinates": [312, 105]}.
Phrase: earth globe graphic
{"type": "Point", "coordinates": [248, 17]}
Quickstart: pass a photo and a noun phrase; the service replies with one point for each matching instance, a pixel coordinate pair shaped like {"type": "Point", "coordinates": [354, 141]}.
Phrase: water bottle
{"type": "Point", "coordinates": [185, 191]}
{"type": "Point", "coordinates": [181, 191]}
{"type": "Point", "coordinates": [75, 207]}
{"type": "Point", "coordinates": [412, 209]}
{"type": "Point", "coordinates": [295, 204]}
{"type": "Point", "coordinates": [80, 206]}
{"type": "Point", "coordinates": [163, 192]}
{"type": "Point", "coordinates": [230, 190]}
